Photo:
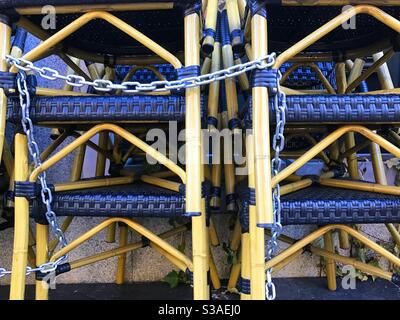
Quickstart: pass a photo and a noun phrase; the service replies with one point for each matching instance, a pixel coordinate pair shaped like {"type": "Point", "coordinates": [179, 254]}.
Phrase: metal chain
{"type": "Point", "coordinates": [46, 194]}
{"type": "Point", "coordinates": [155, 86]}
{"type": "Point", "coordinates": [103, 86]}
{"type": "Point", "coordinates": [278, 144]}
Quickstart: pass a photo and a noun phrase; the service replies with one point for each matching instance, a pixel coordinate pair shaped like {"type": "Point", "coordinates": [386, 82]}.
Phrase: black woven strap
{"type": "Point", "coordinates": [243, 286]}
{"type": "Point", "coordinates": [267, 78]}
{"type": "Point", "coordinates": [61, 268]}
{"type": "Point", "coordinates": [26, 189]}
{"type": "Point", "coordinates": [7, 80]}
{"type": "Point", "coordinates": [188, 72]}
{"type": "Point", "coordinates": [252, 196]}
{"type": "Point", "coordinates": [189, 274]}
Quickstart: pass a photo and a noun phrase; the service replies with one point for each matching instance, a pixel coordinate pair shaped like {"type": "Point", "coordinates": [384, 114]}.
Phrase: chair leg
{"type": "Point", "coordinates": [123, 241]}
{"type": "Point", "coordinates": [330, 263]}
{"type": "Point", "coordinates": [262, 157]}
{"type": "Point", "coordinates": [245, 264]}
{"type": "Point", "coordinates": [21, 227]}
{"type": "Point", "coordinates": [234, 276]}
{"type": "Point", "coordinates": [256, 238]}
{"type": "Point", "coordinates": [216, 282]}
{"type": "Point", "coordinates": [42, 237]}
{"type": "Point", "coordinates": [195, 205]}
{"type": "Point", "coordinates": [380, 177]}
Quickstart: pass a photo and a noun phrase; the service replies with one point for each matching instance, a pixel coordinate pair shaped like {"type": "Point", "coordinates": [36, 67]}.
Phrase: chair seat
{"type": "Point", "coordinates": [355, 108]}
{"type": "Point", "coordinates": [325, 205]}
{"type": "Point", "coordinates": [65, 110]}
{"type": "Point", "coordinates": [133, 200]}
{"type": "Point", "coordinates": [100, 37]}
{"type": "Point", "coordinates": [289, 25]}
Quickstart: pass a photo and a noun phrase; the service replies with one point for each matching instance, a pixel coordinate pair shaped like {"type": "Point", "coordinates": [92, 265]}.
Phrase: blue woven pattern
{"type": "Point", "coordinates": [146, 75]}
{"type": "Point", "coordinates": [101, 108]}
{"type": "Point", "coordinates": [337, 109]}
{"type": "Point", "coordinates": [323, 205]}
{"type": "Point", "coordinates": [135, 200]}
{"type": "Point", "coordinates": [305, 77]}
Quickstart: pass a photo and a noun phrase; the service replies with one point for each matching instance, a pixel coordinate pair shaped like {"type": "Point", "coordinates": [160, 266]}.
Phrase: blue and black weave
{"type": "Point", "coordinates": [146, 75]}
{"type": "Point", "coordinates": [336, 109]}
{"type": "Point", "coordinates": [100, 108]}
{"type": "Point", "coordinates": [305, 78]}
{"type": "Point", "coordinates": [325, 205]}
{"type": "Point", "coordinates": [134, 200]}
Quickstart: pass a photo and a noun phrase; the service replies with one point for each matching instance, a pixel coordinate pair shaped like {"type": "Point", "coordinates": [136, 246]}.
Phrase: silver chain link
{"type": "Point", "coordinates": [278, 144]}
{"type": "Point", "coordinates": [103, 85]}
{"type": "Point", "coordinates": [45, 192]}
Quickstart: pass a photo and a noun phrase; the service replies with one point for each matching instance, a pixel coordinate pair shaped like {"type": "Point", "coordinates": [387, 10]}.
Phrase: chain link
{"type": "Point", "coordinates": [46, 194]}
{"type": "Point", "coordinates": [278, 144]}
{"type": "Point", "coordinates": [103, 85]}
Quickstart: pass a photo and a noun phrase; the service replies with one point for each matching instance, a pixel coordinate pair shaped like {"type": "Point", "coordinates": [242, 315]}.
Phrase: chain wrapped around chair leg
{"type": "Point", "coordinates": [278, 144]}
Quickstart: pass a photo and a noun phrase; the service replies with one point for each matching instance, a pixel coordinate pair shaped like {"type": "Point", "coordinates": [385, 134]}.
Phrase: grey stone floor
{"type": "Point", "coordinates": [287, 289]}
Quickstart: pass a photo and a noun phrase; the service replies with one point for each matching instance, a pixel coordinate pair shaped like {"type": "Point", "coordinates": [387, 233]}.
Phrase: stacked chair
{"type": "Point", "coordinates": [140, 36]}
{"type": "Point", "coordinates": [331, 119]}
{"type": "Point", "coordinates": [309, 99]}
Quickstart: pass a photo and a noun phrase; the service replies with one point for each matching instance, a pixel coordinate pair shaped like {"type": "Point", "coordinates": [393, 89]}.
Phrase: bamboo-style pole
{"type": "Point", "coordinates": [256, 238]}
{"type": "Point", "coordinates": [232, 10]}
{"type": "Point", "coordinates": [330, 263]}
{"type": "Point", "coordinates": [21, 226]}
{"type": "Point", "coordinates": [123, 241]}
{"type": "Point", "coordinates": [262, 156]}
{"type": "Point", "coordinates": [210, 24]}
{"type": "Point", "coordinates": [42, 237]}
{"type": "Point", "coordinates": [372, 69]}
{"type": "Point", "coordinates": [383, 73]}
{"type": "Point", "coordinates": [194, 172]}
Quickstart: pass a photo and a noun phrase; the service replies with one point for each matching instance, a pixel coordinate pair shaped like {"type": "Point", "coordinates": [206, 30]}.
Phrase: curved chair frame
{"type": "Point", "coordinates": [192, 176]}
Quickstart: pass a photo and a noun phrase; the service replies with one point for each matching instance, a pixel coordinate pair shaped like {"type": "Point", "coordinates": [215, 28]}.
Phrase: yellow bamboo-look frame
{"type": "Point", "coordinates": [378, 14]}
{"type": "Point", "coordinates": [118, 23]}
